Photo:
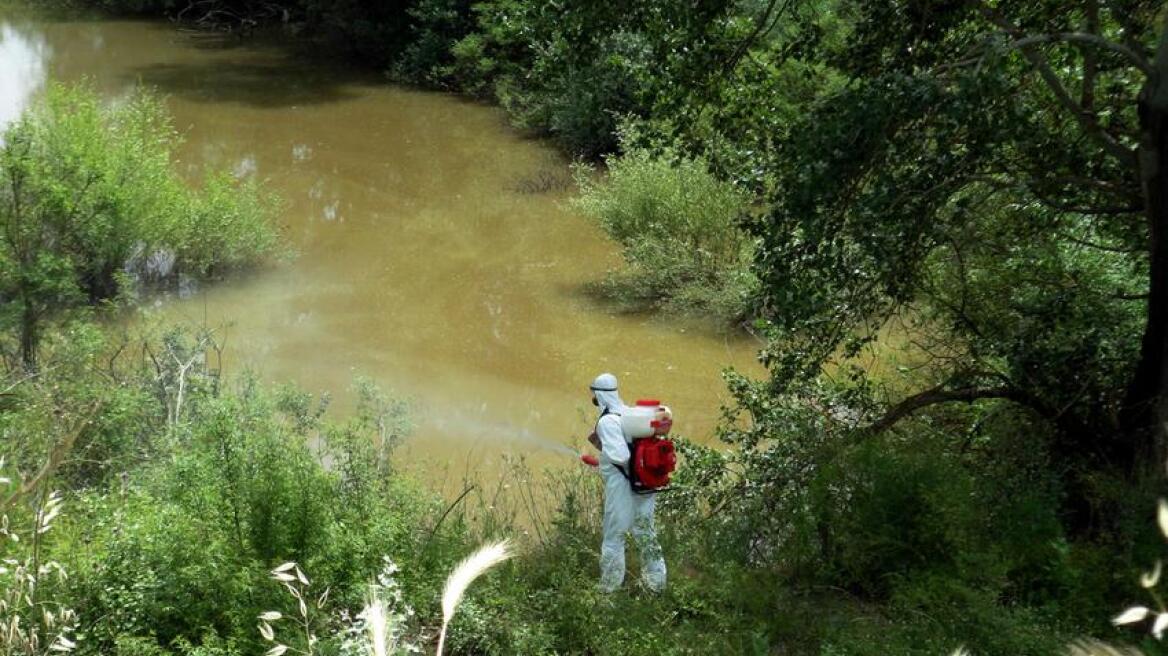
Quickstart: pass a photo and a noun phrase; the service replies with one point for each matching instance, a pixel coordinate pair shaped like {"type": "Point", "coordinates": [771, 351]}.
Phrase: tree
{"type": "Point", "coordinates": [88, 194]}
{"type": "Point", "coordinates": [995, 172]}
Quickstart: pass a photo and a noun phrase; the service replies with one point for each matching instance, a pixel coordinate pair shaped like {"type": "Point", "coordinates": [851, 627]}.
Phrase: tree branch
{"type": "Point", "coordinates": [1100, 247]}
{"type": "Point", "coordinates": [934, 396]}
{"type": "Point", "coordinates": [1129, 31]}
{"type": "Point", "coordinates": [760, 29]}
{"type": "Point", "coordinates": [1083, 38]}
{"type": "Point", "coordinates": [1107, 210]}
{"type": "Point", "coordinates": [1088, 120]}
{"type": "Point", "coordinates": [57, 453]}
{"type": "Point", "coordinates": [1090, 61]}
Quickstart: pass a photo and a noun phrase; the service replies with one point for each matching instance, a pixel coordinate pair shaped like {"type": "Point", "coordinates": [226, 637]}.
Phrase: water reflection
{"type": "Point", "coordinates": [267, 83]}
{"type": "Point", "coordinates": [301, 153]}
{"type": "Point", "coordinates": [24, 54]}
{"type": "Point", "coordinates": [246, 167]}
{"type": "Point", "coordinates": [324, 202]}
{"type": "Point", "coordinates": [330, 210]}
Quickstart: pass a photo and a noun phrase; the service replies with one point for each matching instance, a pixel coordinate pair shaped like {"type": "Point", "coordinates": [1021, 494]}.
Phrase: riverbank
{"type": "Point", "coordinates": [973, 495]}
{"type": "Point", "coordinates": [423, 260]}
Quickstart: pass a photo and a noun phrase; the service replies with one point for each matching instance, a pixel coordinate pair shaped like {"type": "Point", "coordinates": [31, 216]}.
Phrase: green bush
{"type": "Point", "coordinates": [180, 554]}
{"type": "Point", "coordinates": [930, 544]}
{"type": "Point", "coordinates": [472, 69]}
{"type": "Point", "coordinates": [885, 511]}
{"type": "Point", "coordinates": [936, 614]}
{"type": "Point", "coordinates": [436, 30]}
{"type": "Point", "coordinates": [88, 194]}
{"type": "Point", "coordinates": [584, 103]}
{"type": "Point", "coordinates": [679, 229]}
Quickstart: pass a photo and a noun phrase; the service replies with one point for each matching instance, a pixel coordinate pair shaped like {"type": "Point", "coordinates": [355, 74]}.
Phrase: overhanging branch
{"type": "Point", "coordinates": [1084, 38]}
{"type": "Point", "coordinates": [934, 396]}
{"type": "Point", "coordinates": [1088, 120]}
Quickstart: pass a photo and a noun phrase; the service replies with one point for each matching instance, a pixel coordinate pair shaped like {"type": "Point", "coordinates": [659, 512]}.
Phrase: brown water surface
{"type": "Point", "coordinates": [425, 261]}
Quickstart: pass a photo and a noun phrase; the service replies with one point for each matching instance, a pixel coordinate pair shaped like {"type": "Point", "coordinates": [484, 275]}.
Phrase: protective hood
{"type": "Point", "coordinates": [605, 389]}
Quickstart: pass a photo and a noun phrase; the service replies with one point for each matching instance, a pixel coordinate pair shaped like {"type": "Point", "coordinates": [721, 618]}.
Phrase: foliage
{"type": "Point", "coordinates": [34, 621]}
{"type": "Point", "coordinates": [679, 230]}
{"type": "Point", "coordinates": [366, 30]}
{"type": "Point", "coordinates": [167, 541]}
{"type": "Point", "coordinates": [304, 622]}
{"type": "Point", "coordinates": [471, 568]}
{"type": "Point", "coordinates": [435, 28]}
{"type": "Point", "coordinates": [385, 626]}
{"type": "Point", "coordinates": [369, 30]}
{"type": "Point", "coordinates": [965, 172]}
{"type": "Point", "coordinates": [182, 552]}
{"type": "Point", "coordinates": [1150, 581]}
{"type": "Point", "coordinates": [899, 543]}
{"type": "Point", "coordinates": [947, 189]}
{"type": "Point", "coordinates": [88, 195]}
{"type": "Point", "coordinates": [950, 181]}
{"type": "Point", "coordinates": [571, 70]}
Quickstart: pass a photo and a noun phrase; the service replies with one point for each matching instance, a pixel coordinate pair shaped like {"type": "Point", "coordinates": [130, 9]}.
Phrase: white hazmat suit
{"type": "Point", "coordinates": [624, 511]}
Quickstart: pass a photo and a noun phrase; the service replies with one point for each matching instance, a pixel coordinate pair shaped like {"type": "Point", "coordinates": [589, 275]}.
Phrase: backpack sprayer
{"type": "Point", "coordinates": [652, 458]}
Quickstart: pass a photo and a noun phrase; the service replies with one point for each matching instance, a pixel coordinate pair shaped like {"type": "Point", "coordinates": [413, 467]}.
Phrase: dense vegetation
{"type": "Point", "coordinates": [680, 231]}
{"type": "Point", "coordinates": [91, 201]}
{"type": "Point", "coordinates": [985, 180]}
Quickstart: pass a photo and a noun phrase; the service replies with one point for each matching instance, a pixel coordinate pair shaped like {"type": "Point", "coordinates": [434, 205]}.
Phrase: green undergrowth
{"type": "Point", "coordinates": [173, 520]}
{"type": "Point", "coordinates": [680, 230]}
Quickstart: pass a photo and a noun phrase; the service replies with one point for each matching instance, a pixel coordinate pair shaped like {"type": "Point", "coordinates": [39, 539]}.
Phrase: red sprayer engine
{"type": "Point", "coordinates": [652, 457]}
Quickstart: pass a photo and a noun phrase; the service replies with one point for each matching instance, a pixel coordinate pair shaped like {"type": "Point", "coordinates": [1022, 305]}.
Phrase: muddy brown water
{"type": "Point", "coordinates": [432, 256]}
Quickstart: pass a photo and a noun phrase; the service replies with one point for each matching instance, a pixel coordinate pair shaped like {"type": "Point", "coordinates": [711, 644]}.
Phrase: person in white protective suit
{"type": "Point", "coordinates": [624, 510]}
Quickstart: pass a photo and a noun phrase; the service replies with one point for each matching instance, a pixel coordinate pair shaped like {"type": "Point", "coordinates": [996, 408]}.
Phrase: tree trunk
{"type": "Point", "coordinates": [28, 336]}
{"type": "Point", "coordinates": [1145, 412]}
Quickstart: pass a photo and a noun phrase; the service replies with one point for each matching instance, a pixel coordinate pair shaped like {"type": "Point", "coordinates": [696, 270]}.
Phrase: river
{"type": "Point", "coordinates": [435, 252]}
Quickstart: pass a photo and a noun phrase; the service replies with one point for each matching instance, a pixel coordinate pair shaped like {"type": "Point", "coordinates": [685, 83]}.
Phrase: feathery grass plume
{"type": "Point", "coordinates": [296, 583]}
{"type": "Point", "coordinates": [29, 623]}
{"type": "Point", "coordinates": [460, 579]}
{"type": "Point", "coordinates": [1162, 516]}
{"type": "Point", "coordinates": [382, 626]}
{"type": "Point", "coordinates": [377, 626]}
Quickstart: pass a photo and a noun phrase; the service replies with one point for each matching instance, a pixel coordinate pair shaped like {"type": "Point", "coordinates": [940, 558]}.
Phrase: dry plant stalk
{"type": "Point", "coordinates": [30, 625]}
{"type": "Point", "coordinates": [296, 583]}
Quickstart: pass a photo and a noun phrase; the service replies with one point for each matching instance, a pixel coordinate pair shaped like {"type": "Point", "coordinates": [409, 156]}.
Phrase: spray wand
{"type": "Point", "coordinates": [587, 458]}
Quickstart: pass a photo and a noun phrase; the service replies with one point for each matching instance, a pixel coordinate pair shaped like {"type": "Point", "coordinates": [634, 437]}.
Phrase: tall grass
{"type": "Point", "coordinates": [379, 626]}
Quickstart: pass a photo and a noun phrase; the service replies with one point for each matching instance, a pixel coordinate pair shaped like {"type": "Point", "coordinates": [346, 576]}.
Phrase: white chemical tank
{"type": "Point", "coordinates": [645, 419]}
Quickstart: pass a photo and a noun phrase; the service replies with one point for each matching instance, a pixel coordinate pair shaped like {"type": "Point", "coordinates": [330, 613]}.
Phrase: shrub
{"type": "Point", "coordinates": [435, 29]}
{"type": "Point", "coordinates": [88, 193]}
{"type": "Point", "coordinates": [885, 511]}
{"type": "Point", "coordinates": [181, 553]}
{"type": "Point", "coordinates": [679, 229]}
{"type": "Point", "coordinates": [934, 615]}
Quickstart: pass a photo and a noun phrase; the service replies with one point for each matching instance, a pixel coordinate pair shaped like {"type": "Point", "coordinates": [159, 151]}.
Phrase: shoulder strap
{"type": "Point", "coordinates": [626, 471]}
{"type": "Point", "coordinates": [605, 413]}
